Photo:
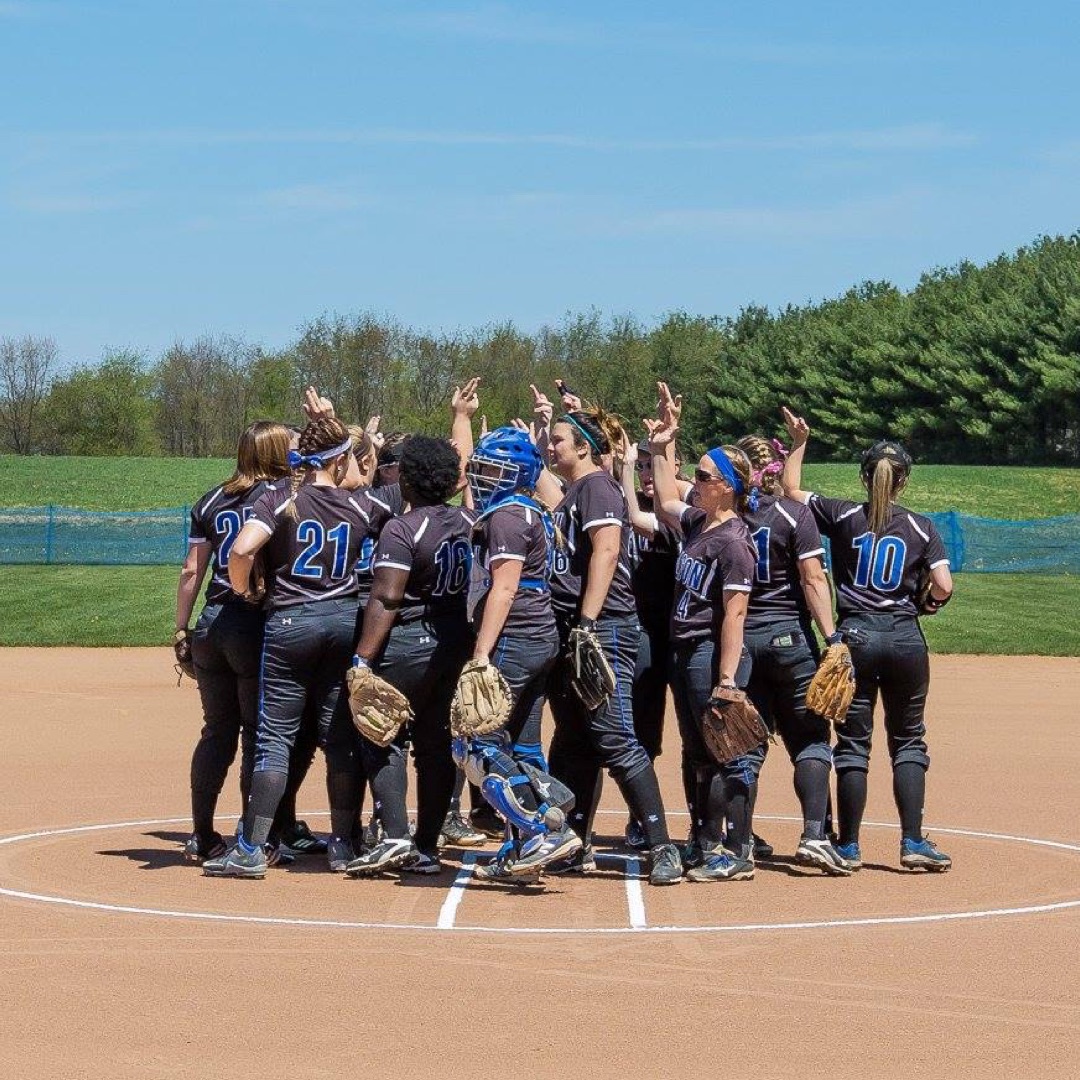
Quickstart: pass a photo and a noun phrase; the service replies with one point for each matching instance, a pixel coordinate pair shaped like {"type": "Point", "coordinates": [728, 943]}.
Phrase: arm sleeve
{"type": "Point", "coordinates": [827, 512]}
{"type": "Point", "coordinates": [806, 535]}
{"type": "Point", "coordinates": [601, 504]}
{"type": "Point", "coordinates": [736, 567]}
{"type": "Point", "coordinates": [395, 548]}
{"type": "Point", "coordinates": [264, 512]}
{"type": "Point", "coordinates": [196, 530]}
{"type": "Point", "coordinates": [506, 536]}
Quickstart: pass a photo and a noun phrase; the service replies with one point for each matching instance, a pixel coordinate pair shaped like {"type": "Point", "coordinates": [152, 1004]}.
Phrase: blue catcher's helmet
{"type": "Point", "coordinates": [504, 461]}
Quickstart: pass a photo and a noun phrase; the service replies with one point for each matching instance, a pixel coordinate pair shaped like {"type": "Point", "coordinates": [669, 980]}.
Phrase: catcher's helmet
{"type": "Point", "coordinates": [504, 461]}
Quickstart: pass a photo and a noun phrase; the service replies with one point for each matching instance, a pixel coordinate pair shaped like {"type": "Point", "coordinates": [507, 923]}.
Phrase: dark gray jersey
{"type": "Point", "coordinates": [653, 561]}
{"type": "Point", "coordinates": [216, 519]}
{"type": "Point", "coordinates": [783, 533]}
{"type": "Point", "coordinates": [877, 572]}
{"type": "Point", "coordinates": [390, 503]}
{"type": "Point", "coordinates": [515, 532]}
{"type": "Point", "coordinates": [434, 544]}
{"type": "Point", "coordinates": [713, 561]}
{"type": "Point", "coordinates": [590, 503]}
{"type": "Point", "coordinates": [313, 555]}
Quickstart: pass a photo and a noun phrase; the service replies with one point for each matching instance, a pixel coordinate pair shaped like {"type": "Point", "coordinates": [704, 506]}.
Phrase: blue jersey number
{"type": "Point", "coordinates": [881, 563]}
{"type": "Point", "coordinates": [761, 543]}
{"type": "Point", "coordinates": [227, 524]}
{"type": "Point", "coordinates": [453, 559]}
{"type": "Point", "coordinates": [312, 535]}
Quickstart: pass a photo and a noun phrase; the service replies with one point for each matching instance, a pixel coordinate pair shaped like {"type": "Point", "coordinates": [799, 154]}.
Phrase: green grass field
{"type": "Point", "coordinates": [102, 605]}
{"type": "Point", "coordinates": [148, 483]}
{"type": "Point", "coordinates": [1017, 614]}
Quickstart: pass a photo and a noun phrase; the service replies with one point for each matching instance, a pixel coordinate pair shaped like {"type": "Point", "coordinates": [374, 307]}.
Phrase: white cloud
{"type": "Point", "coordinates": [905, 138]}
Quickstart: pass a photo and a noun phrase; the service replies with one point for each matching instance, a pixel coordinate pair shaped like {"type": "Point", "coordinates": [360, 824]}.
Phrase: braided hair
{"type": "Point", "coordinates": [766, 465]}
{"type": "Point", "coordinates": [325, 433]}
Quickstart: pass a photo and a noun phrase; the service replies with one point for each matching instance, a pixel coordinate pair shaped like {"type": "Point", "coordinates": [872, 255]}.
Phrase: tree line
{"type": "Point", "coordinates": [975, 364]}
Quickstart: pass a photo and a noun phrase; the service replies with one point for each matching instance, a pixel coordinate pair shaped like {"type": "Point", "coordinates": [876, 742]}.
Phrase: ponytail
{"type": "Point", "coordinates": [882, 485]}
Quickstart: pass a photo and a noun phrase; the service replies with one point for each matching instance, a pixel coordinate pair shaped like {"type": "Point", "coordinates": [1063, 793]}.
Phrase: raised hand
{"type": "Point", "coordinates": [797, 428]}
{"type": "Point", "coordinates": [668, 408]}
{"type": "Point", "coordinates": [465, 401]}
{"type": "Point", "coordinates": [316, 407]}
{"type": "Point", "coordinates": [570, 401]}
{"type": "Point", "coordinates": [661, 433]}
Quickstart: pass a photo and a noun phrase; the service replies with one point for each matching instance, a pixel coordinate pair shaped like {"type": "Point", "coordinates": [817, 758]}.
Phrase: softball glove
{"type": "Point", "coordinates": [181, 644]}
{"type": "Point", "coordinates": [731, 726]}
{"type": "Point", "coordinates": [590, 673]}
{"type": "Point", "coordinates": [378, 709]}
{"type": "Point", "coordinates": [833, 685]}
{"type": "Point", "coordinates": [482, 700]}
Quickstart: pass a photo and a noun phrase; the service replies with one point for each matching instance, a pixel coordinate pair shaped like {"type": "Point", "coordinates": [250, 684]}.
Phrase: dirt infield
{"type": "Point", "coordinates": [120, 961]}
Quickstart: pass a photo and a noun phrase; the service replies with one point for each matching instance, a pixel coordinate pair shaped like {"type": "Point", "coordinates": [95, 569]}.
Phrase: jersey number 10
{"type": "Point", "coordinates": [881, 564]}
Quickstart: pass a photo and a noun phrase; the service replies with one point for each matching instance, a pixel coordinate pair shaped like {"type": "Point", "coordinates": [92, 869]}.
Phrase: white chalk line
{"type": "Point", "coordinates": [466, 872]}
{"type": "Point", "coordinates": [456, 893]}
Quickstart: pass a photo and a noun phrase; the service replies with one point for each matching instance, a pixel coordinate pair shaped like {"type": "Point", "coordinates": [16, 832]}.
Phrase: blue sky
{"type": "Point", "coordinates": [176, 167]}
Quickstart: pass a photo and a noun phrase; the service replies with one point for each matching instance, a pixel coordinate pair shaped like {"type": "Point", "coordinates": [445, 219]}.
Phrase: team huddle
{"type": "Point", "coordinates": [373, 594]}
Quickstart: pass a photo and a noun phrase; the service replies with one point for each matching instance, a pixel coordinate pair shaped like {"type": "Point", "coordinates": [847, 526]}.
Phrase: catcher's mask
{"type": "Point", "coordinates": [893, 452]}
{"type": "Point", "coordinates": [504, 461]}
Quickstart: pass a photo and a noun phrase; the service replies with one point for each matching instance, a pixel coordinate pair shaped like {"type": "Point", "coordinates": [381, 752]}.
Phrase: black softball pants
{"type": "Point", "coordinates": [225, 649]}
{"type": "Point", "coordinates": [891, 659]}
{"type": "Point", "coordinates": [423, 660]}
{"type": "Point", "coordinates": [714, 793]}
{"type": "Point", "coordinates": [585, 742]}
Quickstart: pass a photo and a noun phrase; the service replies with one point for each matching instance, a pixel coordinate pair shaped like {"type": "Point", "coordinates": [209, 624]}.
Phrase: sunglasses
{"type": "Point", "coordinates": [703, 477]}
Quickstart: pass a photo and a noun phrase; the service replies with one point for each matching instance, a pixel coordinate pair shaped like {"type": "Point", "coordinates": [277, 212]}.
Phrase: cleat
{"type": "Point", "coordinates": [456, 833]}
{"type": "Point", "coordinates": [722, 865]}
{"type": "Point", "coordinates": [635, 836]}
{"type": "Point", "coordinates": [823, 855]}
{"type": "Point", "coordinates": [666, 865]}
{"type": "Point", "coordinates": [485, 820]}
{"type": "Point", "coordinates": [502, 869]}
{"type": "Point", "coordinates": [298, 839]}
{"type": "Point", "coordinates": [850, 853]}
{"type": "Point", "coordinates": [339, 853]}
{"type": "Point", "coordinates": [922, 855]}
{"type": "Point", "coordinates": [543, 850]}
{"type": "Point", "coordinates": [238, 863]}
{"type": "Point", "coordinates": [372, 835]}
{"type": "Point", "coordinates": [196, 851]}
{"type": "Point", "coordinates": [386, 855]}
{"type": "Point", "coordinates": [762, 848]}
{"type": "Point", "coordinates": [276, 855]}
{"type": "Point", "coordinates": [583, 861]}
{"type": "Point", "coordinates": [423, 864]}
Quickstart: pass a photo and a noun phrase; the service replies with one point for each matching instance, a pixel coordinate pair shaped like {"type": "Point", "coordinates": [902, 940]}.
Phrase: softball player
{"type": "Point", "coordinates": [591, 587]}
{"type": "Point", "coordinates": [510, 598]}
{"type": "Point", "coordinates": [310, 534]}
{"type": "Point", "coordinates": [227, 639]}
{"type": "Point", "coordinates": [416, 635]}
{"type": "Point", "coordinates": [713, 577]}
{"type": "Point", "coordinates": [879, 552]}
{"type": "Point", "coordinates": [654, 549]}
{"type": "Point", "coordinates": [790, 587]}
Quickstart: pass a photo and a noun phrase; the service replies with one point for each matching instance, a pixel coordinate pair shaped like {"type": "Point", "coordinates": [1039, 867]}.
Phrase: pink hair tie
{"type": "Point", "coordinates": [780, 448]}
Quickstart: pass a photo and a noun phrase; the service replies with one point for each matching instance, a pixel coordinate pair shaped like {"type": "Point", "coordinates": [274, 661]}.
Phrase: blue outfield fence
{"type": "Point", "coordinates": [57, 535]}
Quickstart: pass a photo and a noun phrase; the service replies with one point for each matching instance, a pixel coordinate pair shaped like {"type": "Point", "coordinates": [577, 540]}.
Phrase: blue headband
{"type": "Point", "coordinates": [588, 438]}
{"type": "Point", "coordinates": [319, 460]}
{"type": "Point", "coordinates": [724, 467]}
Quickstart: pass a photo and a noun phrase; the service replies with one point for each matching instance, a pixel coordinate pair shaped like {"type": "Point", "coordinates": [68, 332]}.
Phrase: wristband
{"type": "Point", "coordinates": [586, 624]}
{"type": "Point", "coordinates": [835, 639]}
{"type": "Point", "coordinates": [359, 661]}
{"type": "Point", "coordinates": [180, 633]}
